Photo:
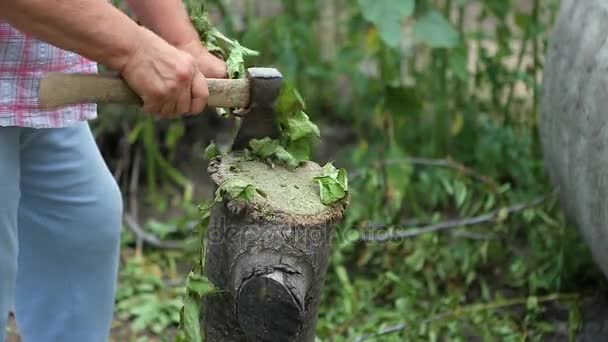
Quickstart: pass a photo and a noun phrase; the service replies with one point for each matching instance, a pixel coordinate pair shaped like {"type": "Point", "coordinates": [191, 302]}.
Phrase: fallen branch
{"type": "Point", "coordinates": [444, 163]}
{"type": "Point", "coordinates": [450, 164]}
{"type": "Point", "coordinates": [491, 216]}
{"type": "Point", "coordinates": [148, 238]}
{"type": "Point", "coordinates": [467, 310]}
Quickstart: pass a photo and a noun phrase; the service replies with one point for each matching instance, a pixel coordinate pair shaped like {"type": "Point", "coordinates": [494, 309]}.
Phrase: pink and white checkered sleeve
{"type": "Point", "coordinates": [23, 62]}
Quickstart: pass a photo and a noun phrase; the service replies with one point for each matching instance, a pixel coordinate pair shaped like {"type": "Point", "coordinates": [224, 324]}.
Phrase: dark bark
{"type": "Point", "coordinates": [270, 262]}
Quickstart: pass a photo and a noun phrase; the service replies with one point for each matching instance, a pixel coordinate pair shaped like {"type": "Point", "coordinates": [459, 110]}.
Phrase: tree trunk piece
{"type": "Point", "coordinates": [269, 256]}
{"type": "Point", "coordinates": [574, 118]}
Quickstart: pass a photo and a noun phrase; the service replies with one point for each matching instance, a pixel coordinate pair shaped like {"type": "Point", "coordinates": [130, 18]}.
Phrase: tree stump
{"type": "Point", "coordinates": [268, 256]}
{"type": "Point", "coordinates": [574, 118]}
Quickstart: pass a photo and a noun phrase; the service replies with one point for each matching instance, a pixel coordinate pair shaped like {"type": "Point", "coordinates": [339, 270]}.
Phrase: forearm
{"type": "Point", "coordinates": [92, 28]}
{"type": "Point", "coordinates": [167, 18]}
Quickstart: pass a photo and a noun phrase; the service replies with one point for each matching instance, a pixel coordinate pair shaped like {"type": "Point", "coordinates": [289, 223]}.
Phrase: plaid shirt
{"type": "Point", "coordinates": [24, 60]}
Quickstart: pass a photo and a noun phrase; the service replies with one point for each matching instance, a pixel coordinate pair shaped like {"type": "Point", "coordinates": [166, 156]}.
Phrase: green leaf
{"type": "Point", "coordinates": [271, 149]}
{"type": "Point", "coordinates": [200, 285]}
{"type": "Point", "coordinates": [263, 148]}
{"type": "Point", "coordinates": [298, 133]}
{"type": "Point", "coordinates": [333, 184]}
{"type": "Point", "coordinates": [342, 179]}
{"type": "Point", "coordinates": [330, 191]}
{"type": "Point", "coordinates": [458, 64]}
{"type": "Point", "coordinates": [285, 157]}
{"type": "Point", "coordinates": [211, 152]}
{"type": "Point", "coordinates": [290, 100]}
{"type": "Point", "coordinates": [236, 62]}
{"type": "Point", "coordinates": [191, 320]}
{"type": "Point", "coordinates": [235, 189]}
{"type": "Point", "coordinates": [300, 149]}
{"type": "Point", "coordinates": [388, 16]}
{"type": "Point", "coordinates": [300, 126]}
{"type": "Point", "coordinates": [436, 31]}
{"type": "Point", "coordinates": [205, 209]}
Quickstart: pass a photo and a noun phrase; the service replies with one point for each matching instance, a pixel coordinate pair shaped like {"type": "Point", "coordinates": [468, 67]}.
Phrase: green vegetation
{"type": "Point", "coordinates": [453, 230]}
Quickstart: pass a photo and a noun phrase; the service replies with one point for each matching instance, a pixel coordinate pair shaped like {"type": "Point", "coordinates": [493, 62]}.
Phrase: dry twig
{"type": "Point", "coordinates": [444, 163]}
{"type": "Point", "coordinates": [148, 238]}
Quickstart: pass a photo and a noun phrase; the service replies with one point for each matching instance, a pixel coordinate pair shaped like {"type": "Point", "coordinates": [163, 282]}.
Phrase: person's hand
{"type": "Point", "coordinates": [167, 79]}
{"type": "Point", "coordinates": [210, 65]}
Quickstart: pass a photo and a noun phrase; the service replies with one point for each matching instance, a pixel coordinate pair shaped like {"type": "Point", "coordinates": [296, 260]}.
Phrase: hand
{"type": "Point", "coordinates": [167, 79]}
{"type": "Point", "coordinates": [210, 65]}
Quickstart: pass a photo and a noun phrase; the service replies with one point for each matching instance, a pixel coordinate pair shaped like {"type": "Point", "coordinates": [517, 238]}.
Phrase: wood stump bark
{"type": "Point", "coordinates": [574, 118]}
{"type": "Point", "coordinates": [269, 256]}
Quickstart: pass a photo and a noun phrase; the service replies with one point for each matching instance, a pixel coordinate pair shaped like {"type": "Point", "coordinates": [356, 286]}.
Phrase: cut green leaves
{"type": "Point", "coordinates": [200, 285]}
{"type": "Point", "coordinates": [211, 151]}
{"type": "Point", "coordinates": [300, 126]}
{"type": "Point", "coordinates": [235, 62]}
{"type": "Point", "coordinates": [197, 287]}
{"type": "Point", "coordinates": [235, 189]}
{"type": "Point", "coordinates": [264, 148]}
{"type": "Point", "coordinates": [298, 133]}
{"type": "Point", "coordinates": [269, 149]}
{"type": "Point", "coordinates": [229, 49]}
{"type": "Point", "coordinates": [333, 184]}
{"type": "Point", "coordinates": [191, 329]}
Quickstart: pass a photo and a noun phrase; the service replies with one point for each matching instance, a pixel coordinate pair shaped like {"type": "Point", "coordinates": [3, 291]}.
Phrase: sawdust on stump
{"type": "Point", "coordinates": [269, 256]}
{"type": "Point", "coordinates": [288, 196]}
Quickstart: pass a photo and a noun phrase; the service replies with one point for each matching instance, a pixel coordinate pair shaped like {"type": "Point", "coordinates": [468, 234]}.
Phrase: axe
{"type": "Point", "coordinates": [255, 97]}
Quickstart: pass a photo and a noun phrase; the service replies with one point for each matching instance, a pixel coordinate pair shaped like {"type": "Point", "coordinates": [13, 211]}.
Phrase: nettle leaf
{"type": "Point", "coordinates": [235, 63]}
{"type": "Point", "coordinates": [271, 149]}
{"type": "Point", "coordinates": [300, 149]}
{"type": "Point", "coordinates": [333, 184]}
{"type": "Point", "coordinates": [300, 126]}
{"type": "Point", "coordinates": [283, 156]}
{"type": "Point", "coordinates": [235, 189]}
{"type": "Point", "coordinates": [290, 100]}
{"type": "Point", "coordinates": [263, 148]}
{"type": "Point", "coordinates": [211, 152]}
{"type": "Point", "coordinates": [342, 179]}
{"type": "Point", "coordinates": [436, 31]}
{"type": "Point", "coordinates": [298, 133]}
{"type": "Point", "coordinates": [200, 285]}
{"type": "Point", "coordinates": [388, 16]}
{"type": "Point", "coordinates": [205, 209]}
{"type": "Point", "coordinates": [216, 42]}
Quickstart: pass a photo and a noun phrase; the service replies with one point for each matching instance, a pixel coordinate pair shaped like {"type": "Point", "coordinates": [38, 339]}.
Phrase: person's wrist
{"type": "Point", "coordinates": [209, 64]}
{"type": "Point", "coordinates": [141, 37]}
{"type": "Point", "coordinates": [193, 47]}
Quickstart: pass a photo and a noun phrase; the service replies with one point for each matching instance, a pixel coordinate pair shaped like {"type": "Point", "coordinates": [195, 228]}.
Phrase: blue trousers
{"type": "Point", "coordinates": [60, 221]}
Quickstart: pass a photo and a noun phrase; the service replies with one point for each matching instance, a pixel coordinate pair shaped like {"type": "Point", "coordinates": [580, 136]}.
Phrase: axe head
{"type": "Point", "coordinates": [257, 121]}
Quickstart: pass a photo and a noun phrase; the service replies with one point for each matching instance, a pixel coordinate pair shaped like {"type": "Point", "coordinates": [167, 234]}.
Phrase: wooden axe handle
{"type": "Point", "coordinates": [61, 89]}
